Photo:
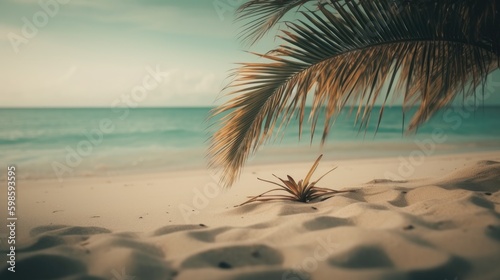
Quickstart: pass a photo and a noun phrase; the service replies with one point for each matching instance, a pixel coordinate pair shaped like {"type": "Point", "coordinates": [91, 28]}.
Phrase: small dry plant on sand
{"type": "Point", "coordinates": [302, 191]}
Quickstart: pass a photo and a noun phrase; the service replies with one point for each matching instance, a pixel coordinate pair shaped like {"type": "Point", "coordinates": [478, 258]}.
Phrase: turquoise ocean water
{"type": "Point", "coordinates": [64, 142]}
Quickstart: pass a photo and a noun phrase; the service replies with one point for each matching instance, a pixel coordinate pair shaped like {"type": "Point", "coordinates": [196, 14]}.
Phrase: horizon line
{"type": "Point", "coordinates": [211, 107]}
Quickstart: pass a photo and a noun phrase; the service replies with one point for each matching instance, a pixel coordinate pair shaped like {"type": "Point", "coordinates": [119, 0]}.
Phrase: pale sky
{"type": "Point", "coordinates": [91, 52]}
{"type": "Point", "coordinates": [82, 53]}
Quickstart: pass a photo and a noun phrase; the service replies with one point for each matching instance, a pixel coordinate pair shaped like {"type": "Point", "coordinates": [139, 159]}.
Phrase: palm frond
{"type": "Point", "coordinates": [429, 55]}
{"type": "Point", "coordinates": [259, 16]}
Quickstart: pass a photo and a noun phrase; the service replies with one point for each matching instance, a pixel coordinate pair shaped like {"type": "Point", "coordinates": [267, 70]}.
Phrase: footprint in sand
{"type": "Point", "coordinates": [235, 257]}
{"type": "Point", "coordinates": [321, 223]}
{"type": "Point", "coordinates": [45, 266]}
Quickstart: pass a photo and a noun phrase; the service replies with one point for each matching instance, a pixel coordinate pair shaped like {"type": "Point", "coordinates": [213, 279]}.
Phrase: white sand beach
{"type": "Point", "coordinates": [441, 220]}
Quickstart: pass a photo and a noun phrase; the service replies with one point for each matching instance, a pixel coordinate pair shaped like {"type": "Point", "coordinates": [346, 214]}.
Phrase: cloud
{"type": "Point", "coordinates": [183, 82]}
